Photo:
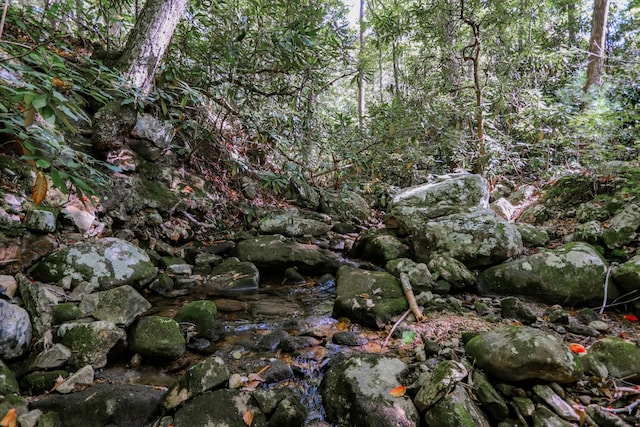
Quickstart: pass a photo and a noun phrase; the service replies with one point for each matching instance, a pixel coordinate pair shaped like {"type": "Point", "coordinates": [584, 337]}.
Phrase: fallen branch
{"type": "Point", "coordinates": [395, 325]}
{"type": "Point", "coordinates": [606, 289]}
{"type": "Point", "coordinates": [628, 409]}
{"type": "Point", "coordinates": [411, 299]}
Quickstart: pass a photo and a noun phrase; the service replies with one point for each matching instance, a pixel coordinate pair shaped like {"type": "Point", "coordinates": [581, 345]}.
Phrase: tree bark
{"type": "Point", "coordinates": [361, 82]}
{"type": "Point", "coordinates": [597, 44]}
{"type": "Point", "coordinates": [148, 41]}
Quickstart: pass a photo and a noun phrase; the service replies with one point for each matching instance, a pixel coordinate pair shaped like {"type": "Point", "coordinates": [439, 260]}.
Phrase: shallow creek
{"type": "Point", "coordinates": [252, 340]}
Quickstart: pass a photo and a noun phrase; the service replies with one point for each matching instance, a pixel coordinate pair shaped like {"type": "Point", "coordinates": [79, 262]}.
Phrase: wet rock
{"type": "Point", "coordinates": [232, 275]}
{"type": "Point", "coordinates": [513, 308]}
{"type": "Point", "coordinates": [452, 271]}
{"type": "Point", "coordinates": [291, 223]}
{"type": "Point", "coordinates": [572, 274]}
{"type": "Point", "coordinates": [8, 382]}
{"type": "Point", "coordinates": [121, 305]}
{"type": "Point", "coordinates": [105, 404]}
{"type": "Point", "coordinates": [344, 206]}
{"type": "Point", "coordinates": [419, 275]}
{"type": "Point", "coordinates": [204, 376]}
{"type": "Point", "coordinates": [349, 338]}
{"type": "Point", "coordinates": [476, 239]}
{"type": "Point", "coordinates": [294, 343]}
{"type": "Point", "coordinates": [532, 236]}
{"type": "Point", "coordinates": [40, 220]}
{"type": "Point", "coordinates": [108, 262]}
{"type": "Point", "coordinates": [219, 408]}
{"type": "Point", "coordinates": [83, 377]}
{"type": "Point", "coordinates": [447, 195]}
{"type": "Point", "coordinates": [379, 246]}
{"type": "Point", "coordinates": [516, 353]}
{"type": "Point", "coordinates": [157, 336]}
{"type": "Point", "coordinates": [619, 356]}
{"type": "Point", "coordinates": [90, 343]}
{"type": "Point", "coordinates": [203, 314]}
{"type": "Point", "coordinates": [438, 383]}
{"type": "Point", "coordinates": [15, 330]}
{"type": "Point", "coordinates": [277, 371]}
{"type": "Point", "coordinates": [456, 409]}
{"type": "Point", "coordinates": [292, 276]}
{"type": "Point", "coordinates": [627, 275]}
{"type": "Point", "coordinates": [275, 253]}
{"type": "Point", "coordinates": [368, 297]}
{"type": "Point", "coordinates": [355, 392]}
{"type": "Point", "coordinates": [622, 227]}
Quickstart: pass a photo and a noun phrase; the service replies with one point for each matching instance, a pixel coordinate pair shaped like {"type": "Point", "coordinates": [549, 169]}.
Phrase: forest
{"type": "Point", "coordinates": [355, 96]}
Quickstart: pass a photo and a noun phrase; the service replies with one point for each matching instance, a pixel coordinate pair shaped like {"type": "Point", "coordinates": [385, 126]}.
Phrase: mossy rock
{"type": "Point", "coordinates": [203, 314]}
{"type": "Point", "coordinates": [157, 336]}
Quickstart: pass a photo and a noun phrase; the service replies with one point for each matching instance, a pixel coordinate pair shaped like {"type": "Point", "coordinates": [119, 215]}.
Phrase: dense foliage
{"type": "Point", "coordinates": [273, 85]}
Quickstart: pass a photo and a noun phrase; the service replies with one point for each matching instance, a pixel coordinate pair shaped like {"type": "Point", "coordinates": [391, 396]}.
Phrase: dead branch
{"type": "Point", "coordinates": [411, 299]}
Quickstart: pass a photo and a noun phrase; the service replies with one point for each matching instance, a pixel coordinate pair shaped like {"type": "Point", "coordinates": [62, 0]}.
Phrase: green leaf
{"type": "Point", "coordinates": [40, 101]}
{"type": "Point", "coordinates": [43, 163]}
{"type": "Point", "coordinates": [408, 337]}
{"type": "Point", "coordinates": [59, 179]}
{"type": "Point", "coordinates": [48, 114]}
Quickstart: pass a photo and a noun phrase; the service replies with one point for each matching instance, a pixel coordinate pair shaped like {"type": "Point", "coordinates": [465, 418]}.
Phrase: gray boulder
{"type": "Point", "coordinates": [90, 343]}
{"type": "Point", "coordinates": [356, 393]}
{"type": "Point", "coordinates": [517, 353]}
{"type": "Point", "coordinates": [201, 377]}
{"type": "Point", "coordinates": [620, 357]}
{"type": "Point", "coordinates": [419, 275]}
{"type": "Point", "coordinates": [627, 275]}
{"type": "Point", "coordinates": [532, 236]}
{"type": "Point", "coordinates": [379, 246]}
{"type": "Point", "coordinates": [232, 276]}
{"type": "Point", "coordinates": [446, 195]}
{"type": "Point", "coordinates": [104, 405]}
{"type": "Point", "coordinates": [202, 314]}
{"type": "Point", "coordinates": [439, 382]}
{"type": "Point", "coordinates": [107, 262]}
{"type": "Point", "coordinates": [291, 223]}
{"type": "Point", "coordinates": [276, 253]}
{"type": "Point", "coordinates": [456, 409]}
{"type": "Point", "coordinates": [157, 336]}
{"type": "Point", "coordinates": [368, 297]}
{"type": "Point", "coordinates": [345, 206]}
{"type": "Point", "coordinates": [121, 305]}
{"type": "Point", "coordinates": [15, 330]}
{"type": "Point", "coordinates": [452, 271]}
{"type": "Point", "coordinates": [573, 274]}
{"type": "Point", "coordinates": [622, 227]}
{"type": "Point", "coordinates": [479, 238]}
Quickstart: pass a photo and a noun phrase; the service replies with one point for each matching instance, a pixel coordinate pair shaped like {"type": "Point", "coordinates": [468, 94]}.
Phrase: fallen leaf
{"type": "Point", "coordinates": [247, 417]}
{"type": "Point", "coordinates": [398, 391]}
{"type": "Point", "coordinates": [39, 188]}
{"type": "Point", "coordinates": [577, 348]}
{"type": "Point", "coordinates": [630, 317]}
{"type": "Point", "coordinates": [10, 419]}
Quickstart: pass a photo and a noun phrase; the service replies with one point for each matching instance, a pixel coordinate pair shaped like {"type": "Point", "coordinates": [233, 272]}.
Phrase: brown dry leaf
{"type": "Point", "coordinates": [251, 385]}
{"type": "Point", "coordinates": [255, 377]}
{"type": "Point", "coordinates": [39, 188]}
{"type": "Point", "coordinates": [29, 115]}
{"type": "Point", "coordinates": [10, 419]}
{"type": "Point", "coordinates": [247, 417]}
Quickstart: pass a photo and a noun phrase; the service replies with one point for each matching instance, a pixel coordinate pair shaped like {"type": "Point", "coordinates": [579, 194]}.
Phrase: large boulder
{"type": "Point", "coordinates": [201, 377]}
{"type": "Point", "coordinates": [107, 262]}
{"type": "Point", "coordinates": [518, 353]}
{"type": "Point", "coordinates": [622, 227]}
{"type": "Point", "coordinates": [291, 223]}
{"type": "Point", "coordinates": [477, 239]}
{"type": "Point", "coordinates": [232, 276]}
{"type": "Point", "coordinates": [446, 195]}
{"type": "Point", "coordinates": [220, 408]}
{"type": "Point", "coordinates": [356, 393]}
{"type": "Point", "coordinates": [573, 274]}
{"type": "Point", "coordinates": [621, 358]}
{"type": "Point", "coordinates": [275, 253]}
{"type": "Point", "coordinates": [105, 405]}
{"type": "Point", "coordinates": [627, 275]}
{"type": "Point", "coordinates": [121, 305]}
{"type": "Point", "coordinates": [90, 343]}
{"type": "Point", "coordinates": [379, 246]}
{"type": "Point", "coordinates": [157, 336]}
{"type": "Point", "coordinates": [345, 206]}
{"type": "Point", "coordinates": [368, 297]}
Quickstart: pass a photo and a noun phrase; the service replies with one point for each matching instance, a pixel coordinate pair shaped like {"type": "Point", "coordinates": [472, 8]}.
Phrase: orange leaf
{"type": "Point", "coordinates": [577, 348]}
{"type": "Point", "coordinates": [10, 419]}
{"type": "Point", "coordinates": [40, 188]}
{"type": "Point", "coordinates": [630, 317]}
{"type": "Point", "coordinates": [247, 417]}
{"type": "Point", "coordinates": [398, 391]}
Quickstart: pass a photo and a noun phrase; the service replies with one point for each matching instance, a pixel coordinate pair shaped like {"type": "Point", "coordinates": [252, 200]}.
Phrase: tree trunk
{"type": "Point", "coordinates": [361, 82]}
{"type": "Point", "coordinates": [148, 41]}
{"type": "Point", "coordinates": [597, 43]}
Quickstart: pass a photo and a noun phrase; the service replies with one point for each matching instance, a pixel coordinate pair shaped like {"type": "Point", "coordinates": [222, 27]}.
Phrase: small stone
{"type": "Point", "coordinates": [8, 286]}
{"type": "Point", "coordinates": [41, 220]}
{"type": "Point", "coordinates": [599, 325]}
{"type": "Point", "coordinates": [84, 376]}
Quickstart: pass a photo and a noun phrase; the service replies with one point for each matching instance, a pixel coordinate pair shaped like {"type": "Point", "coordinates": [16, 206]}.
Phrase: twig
{"type": "Point", "coordinates": [395, 325]}
{"type": "Point", "coordinates": [606, 289]}
{"type": "Point", "coordinates": [4, 16]}
{"type": "Point", "coordinates": [628, 409]}
{"type": "Point", "coordinates": [411, 299]}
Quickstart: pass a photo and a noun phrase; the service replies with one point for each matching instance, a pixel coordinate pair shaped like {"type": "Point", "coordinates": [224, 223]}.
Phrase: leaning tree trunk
{"type": "Point", "coordinates": [597, 43]}
{"type": "Point", "coordinates": [148, 41]}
